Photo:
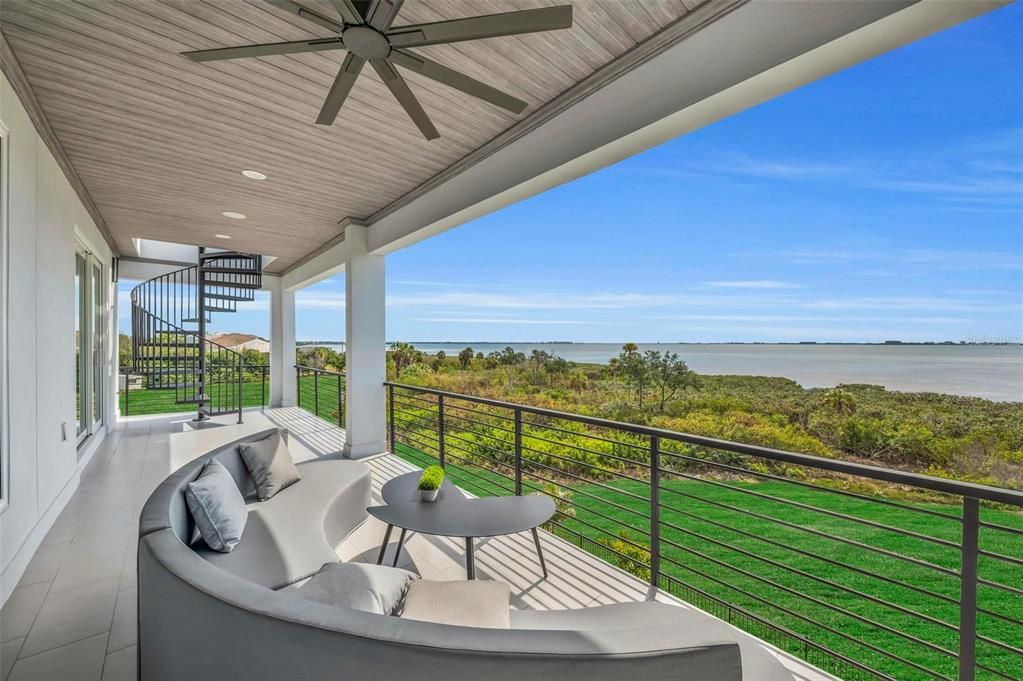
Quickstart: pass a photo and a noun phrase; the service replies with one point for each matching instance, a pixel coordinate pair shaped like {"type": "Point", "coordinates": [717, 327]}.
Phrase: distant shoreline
{"type": "Point", "coordinates": [883, 343]}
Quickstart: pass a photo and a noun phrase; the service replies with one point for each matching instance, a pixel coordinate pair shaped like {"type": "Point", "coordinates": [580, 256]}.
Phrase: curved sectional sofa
{"type": "Point", "coordinates": [206, 615]}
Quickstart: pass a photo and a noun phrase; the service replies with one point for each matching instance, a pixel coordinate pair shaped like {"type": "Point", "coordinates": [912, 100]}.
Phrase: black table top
{"type": "Point", "coordinates": [454, 515]}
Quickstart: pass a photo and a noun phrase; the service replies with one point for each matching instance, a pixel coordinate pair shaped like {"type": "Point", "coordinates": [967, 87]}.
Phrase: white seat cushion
{"type": "Point", "coordinates": [473, 603]}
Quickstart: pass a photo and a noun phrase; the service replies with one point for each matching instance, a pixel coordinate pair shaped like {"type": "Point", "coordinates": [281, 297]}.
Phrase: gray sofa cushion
{"type": "Point", "coordinates": [360, 586]}
{"type": "Point", "coordinates": [270, 464]}
{"type": "Point", "coordinates": [217, 507]}
{"type": "Point", "coordinates": [291, 536]}
{"type": "Point", "coordinates": [473, 603]}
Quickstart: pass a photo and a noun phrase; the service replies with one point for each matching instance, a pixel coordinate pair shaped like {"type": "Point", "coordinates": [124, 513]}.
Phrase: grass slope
{"type": "Point", "coordinates": [806, 575]}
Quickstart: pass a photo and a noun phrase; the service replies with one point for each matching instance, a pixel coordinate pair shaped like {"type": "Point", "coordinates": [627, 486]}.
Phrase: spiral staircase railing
{"type": "Point", "coordinates": [170, 355]}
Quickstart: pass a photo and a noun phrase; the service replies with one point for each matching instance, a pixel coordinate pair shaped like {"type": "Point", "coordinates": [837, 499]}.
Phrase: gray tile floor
{"type": "Point", "coordinates": [73, 615]}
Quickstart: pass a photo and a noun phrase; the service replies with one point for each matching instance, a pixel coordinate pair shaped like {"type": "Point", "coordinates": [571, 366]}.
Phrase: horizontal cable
{"type": "Point", "coordinates": [605, 546]}
{"type": "Point", "coordinates": [416, 441]}
{"type": "Point", "coordinates": [1002, 528]}
{"type": "Point", "coordinates": [448, 416]}
{"type": "Point", "coordinates": [814, 578]}
{"type": "Point", "coordinates": [1002, 557]}
{"type": "Point", "coordinates": [999, 644]}
{"type": "Point", "coordinates": [818, 533]}
{"type": "Point", "coordinates": [643, 447]}
{"type": "Point", "coordinates": [813, 599]}
{"type": "Point", "coordinates": [462, 470]}
{"type": "Point", "coordinates": [448, 445]}
{"type": "Point", "coordinates": [815, 509]}
{"type": "Point", "coordinates": [809, 485]}
{"type": "Point", "coordinates": [481, 445]}
{"type": "Point", "coordinates": [613, 457]}
{"type": "Point", "coordinates": [785, 631]}
{"type": "Point", "coordinates": [1003, 587]}
{"type": "Point", "coordinates": [809, 620]}
{"type": "Point", "coordinates": [591, 466]}
{"type": "Point", "coordinates": [829, 561]}
{"type": "Point", "coordinates": [490, 414]}
{"type": "Point", "coordinates": [997, 673]}
{"type": "Point", "coordinates": [588, 482]}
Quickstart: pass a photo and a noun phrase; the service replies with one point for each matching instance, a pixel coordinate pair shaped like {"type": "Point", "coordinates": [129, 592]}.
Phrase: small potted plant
{"type": "Point", "coordinates": [429, 483]}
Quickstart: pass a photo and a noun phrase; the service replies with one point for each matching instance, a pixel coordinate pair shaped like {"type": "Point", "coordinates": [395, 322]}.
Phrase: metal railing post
{"type": "Point", "coordinates": [127, 389]}
{"type": "Point", "coordinates": [655, 511]}
{"type": "Point", "coordinates": [440, 430]}
{"type": "Point", "coordinates": [262, 387]}
{"type": "Point", "coordinates": [298, 387]}
{"type": "Point", "coordinates": [241, 389]}
{"type": "Point", "coordinates": [340, 417]}
{"type": "Point", "coordinates": [518, 452]}
{"type": "Point", "coordinates": [316, 392]}
{"type": "Point", "coordinates": [968, 590]}
{"type": "Point", "coordinates": [390, 415]}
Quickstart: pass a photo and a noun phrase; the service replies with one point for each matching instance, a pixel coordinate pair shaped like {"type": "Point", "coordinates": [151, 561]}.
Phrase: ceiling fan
{"type": "Point", "coordinates": [365, 31]}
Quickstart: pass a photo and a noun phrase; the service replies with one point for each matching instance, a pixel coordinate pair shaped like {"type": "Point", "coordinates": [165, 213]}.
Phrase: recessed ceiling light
{"type": "Point", "coordinates": [222, 236]}
{"type": "Point", "coordinates": [253, 174]}
{"type": "Point", "coordinates": [233, 215]}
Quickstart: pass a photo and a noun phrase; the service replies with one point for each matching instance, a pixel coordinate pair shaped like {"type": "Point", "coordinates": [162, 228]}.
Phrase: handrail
{"type": "Point", "coordinates": [322, 371]}
{"type": "Point", "coordinates": [957, 487]}
{"type": "Point", "coordinates": [480, 444]}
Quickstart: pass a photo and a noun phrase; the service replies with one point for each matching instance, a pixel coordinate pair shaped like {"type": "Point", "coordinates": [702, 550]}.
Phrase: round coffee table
{"type": "Point", "coordinates": [454, 515]}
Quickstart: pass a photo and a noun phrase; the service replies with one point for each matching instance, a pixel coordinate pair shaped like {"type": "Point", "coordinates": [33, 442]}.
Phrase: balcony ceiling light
{"type": "Point", "coordinates": [253, 174]}
{"type": "Point", "coordinates": [233, 215]}
{"type": "Point", "coordinates": [222, 236]}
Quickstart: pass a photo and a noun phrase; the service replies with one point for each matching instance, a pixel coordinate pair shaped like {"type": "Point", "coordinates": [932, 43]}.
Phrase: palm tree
{"type": "Point", "coordinates": [840, 401]}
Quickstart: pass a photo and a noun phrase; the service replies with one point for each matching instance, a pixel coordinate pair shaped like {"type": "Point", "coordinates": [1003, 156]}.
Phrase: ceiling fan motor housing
{"type": "Point", "coordinates": [366, 42]}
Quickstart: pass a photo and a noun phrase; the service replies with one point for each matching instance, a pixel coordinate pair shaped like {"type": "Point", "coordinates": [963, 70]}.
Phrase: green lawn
{"type": "Point", "coordinates": [712, 555]}
{"type": "Point", "coordinates": [254, 394]}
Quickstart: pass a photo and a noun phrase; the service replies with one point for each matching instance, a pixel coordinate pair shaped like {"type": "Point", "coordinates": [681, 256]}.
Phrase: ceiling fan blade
{"type": "Point", "coordinates": [308, 14]}
{"type": "Point", "coordinates": [399, 88]}
{"type": "Point", "coordinates": [292, 47]}
{"type": "Point", "coordinates": [347, 10]}
{"type": "Point", "coordinates": [339, 90]}
{"type": "Point", "coordinates": [459, 81]}
{"type": "Point", "coordinates": [383, 12]}
{"type": "Point", "coordinates": [487, 26]}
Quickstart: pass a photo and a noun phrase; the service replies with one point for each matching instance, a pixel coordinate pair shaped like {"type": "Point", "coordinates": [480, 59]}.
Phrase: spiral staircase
{"type": "Point", "coordinates": [169, 314]}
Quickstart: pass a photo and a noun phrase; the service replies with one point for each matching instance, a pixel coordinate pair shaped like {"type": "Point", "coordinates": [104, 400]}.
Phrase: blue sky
{"type": "Point", "coordinates": [883, 202]}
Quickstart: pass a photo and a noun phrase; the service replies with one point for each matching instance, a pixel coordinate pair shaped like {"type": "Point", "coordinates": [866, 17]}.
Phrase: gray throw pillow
{"type": "Point", "coordinates": [359, 586]}
{"type": "Point", "coordinates": [217, 507]}
{"type": "Point", "coordinates": [270, 465]}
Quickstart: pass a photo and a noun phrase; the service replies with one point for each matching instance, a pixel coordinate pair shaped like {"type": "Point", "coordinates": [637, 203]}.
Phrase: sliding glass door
{"type": "Point", "coordinates": [90, 337]}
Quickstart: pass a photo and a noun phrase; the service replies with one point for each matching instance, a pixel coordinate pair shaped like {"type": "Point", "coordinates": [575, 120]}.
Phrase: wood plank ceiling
{"type": "Point", "coordinates": [160, 141]}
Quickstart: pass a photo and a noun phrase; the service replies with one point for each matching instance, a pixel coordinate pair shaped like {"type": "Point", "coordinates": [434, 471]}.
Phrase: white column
{"type": "Point", "coordinates": [366, 362]}
{"type": "Point", "coordinates": [282, 344]}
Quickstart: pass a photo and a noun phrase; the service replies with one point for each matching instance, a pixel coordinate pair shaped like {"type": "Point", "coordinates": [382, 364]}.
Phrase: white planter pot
{"type": "Point", "coordinates": [428, 494]}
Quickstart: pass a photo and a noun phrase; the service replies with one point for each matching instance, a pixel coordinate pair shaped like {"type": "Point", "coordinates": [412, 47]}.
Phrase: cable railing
{"type": "Point", "coordinates": [862, 571]}
{"type": "Point", "coordinates": [321, 392]}
{"type": "Point", "coordinates": [144, 394]}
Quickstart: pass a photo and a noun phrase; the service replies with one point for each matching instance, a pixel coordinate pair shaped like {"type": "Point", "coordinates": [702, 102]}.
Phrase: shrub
{"type": "Point", "coordinates": [432, 478]}
{"type": "Point", "coordinates": [628, 556]}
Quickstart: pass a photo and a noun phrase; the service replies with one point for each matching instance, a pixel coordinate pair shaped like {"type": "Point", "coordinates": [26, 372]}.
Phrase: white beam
{"type": "Point", "coordinates": [283, 388]}
{"type": "Point", "coordinates": [366, 361]}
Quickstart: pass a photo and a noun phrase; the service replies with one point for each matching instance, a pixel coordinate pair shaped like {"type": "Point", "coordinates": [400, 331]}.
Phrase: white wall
{"type": "Point", "coordinates": [44, 214]}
